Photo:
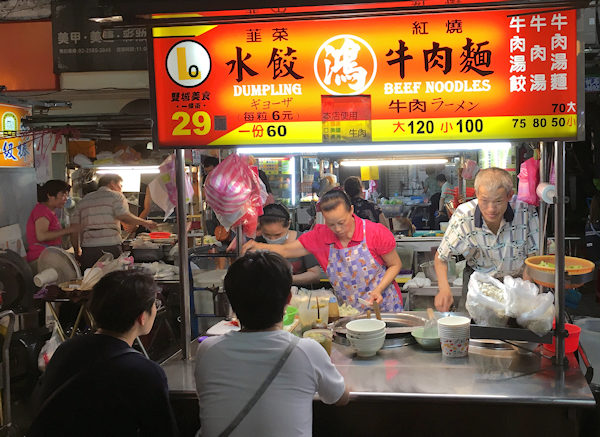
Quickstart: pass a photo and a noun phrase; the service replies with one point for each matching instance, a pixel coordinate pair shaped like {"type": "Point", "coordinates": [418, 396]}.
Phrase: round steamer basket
{"type": "Point", "coordinates": [574, 278]}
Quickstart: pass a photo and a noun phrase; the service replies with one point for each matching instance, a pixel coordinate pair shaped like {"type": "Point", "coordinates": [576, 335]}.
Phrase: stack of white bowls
{"type": "Point", "coordinates": [366, 336]}
{"type": "Point", "coordinates": [454, 335]}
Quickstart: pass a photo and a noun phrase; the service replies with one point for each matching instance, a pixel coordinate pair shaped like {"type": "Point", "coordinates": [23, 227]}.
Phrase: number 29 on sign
{"type": "Point", "coordinates": [201, 123]}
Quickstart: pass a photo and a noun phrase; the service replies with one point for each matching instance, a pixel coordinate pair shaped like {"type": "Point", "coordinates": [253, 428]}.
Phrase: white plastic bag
{"type": "Point", "coordinates": [486, 300]}
{"type": "Point", "coordinates": [539, 319]}
{"type": "Point", "coordinates": [532, 310]}
{"type": "Point", "coordinates": [48, 349]}
{"type": "Point", "coordinates": [521, 296]}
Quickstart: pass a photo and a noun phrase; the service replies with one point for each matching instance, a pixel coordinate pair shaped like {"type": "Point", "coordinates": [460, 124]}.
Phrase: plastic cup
{"type": "Point", "coordinates": [44, 277]}
{"type": "Point", "coordinates": [322, 336]}
{"type": "Point", "coordinates": [290, 315]}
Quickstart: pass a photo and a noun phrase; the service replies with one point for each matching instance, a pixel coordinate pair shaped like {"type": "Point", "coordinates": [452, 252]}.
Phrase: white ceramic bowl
{"type": "Point", "coordinates": [366, 335]}
{"type": "Point", "coordinates": [367, 347]}
{"type": "Point", "coordinates": [365, 326]}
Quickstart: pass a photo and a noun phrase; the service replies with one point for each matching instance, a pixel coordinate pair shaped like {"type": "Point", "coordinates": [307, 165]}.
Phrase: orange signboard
{"type": "Point", "coordinates": [456, 76]}
{"type": "Point", "coordinates": [17, 150]}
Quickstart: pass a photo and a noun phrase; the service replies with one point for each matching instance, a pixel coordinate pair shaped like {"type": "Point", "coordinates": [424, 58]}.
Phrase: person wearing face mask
{"type": "Point", "coordinates": [275, 229]}
{"type": "Point", "coordinates": [494, 233]}
{"type": "Point", "coordinates": [358, 256]}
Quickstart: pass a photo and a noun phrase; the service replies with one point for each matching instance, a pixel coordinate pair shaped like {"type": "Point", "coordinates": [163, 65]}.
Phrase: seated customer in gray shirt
{"type": "Point", "coordinates": [230, 368]}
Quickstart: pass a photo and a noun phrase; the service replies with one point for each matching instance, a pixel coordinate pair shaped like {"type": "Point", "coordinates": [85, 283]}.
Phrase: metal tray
{"type": "Point", "coordinates": [397, 324]}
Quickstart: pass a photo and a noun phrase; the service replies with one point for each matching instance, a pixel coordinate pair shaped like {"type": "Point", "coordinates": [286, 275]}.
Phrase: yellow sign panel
{"type": "Point", "coordinates": [480, 128]}
{"type": "Point", "coordinates": [16, 149]}
{"type": "Point", "coordinates": [433, 129]}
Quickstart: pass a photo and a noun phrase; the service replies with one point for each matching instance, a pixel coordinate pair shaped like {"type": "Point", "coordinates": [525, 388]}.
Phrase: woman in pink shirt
{"type": "Point", "coordinates": [359, 256]}
{"type": "Point", "coordinates": [43, 227]}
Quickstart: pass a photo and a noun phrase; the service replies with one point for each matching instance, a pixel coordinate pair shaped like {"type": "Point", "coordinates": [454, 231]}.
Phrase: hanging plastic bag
{"type": "Point", "coordinates": [470, 169]}
{"type": "Point", "coordinates": [486, 300]}
{"type": "Point", "coordinates": [529, 179]}
{"type": "Point", "coordinates": [163, 188]}
{"type": "Point", "coordinates": [234, 192]}
{"type": "Point", "coordinates": [48, 349]}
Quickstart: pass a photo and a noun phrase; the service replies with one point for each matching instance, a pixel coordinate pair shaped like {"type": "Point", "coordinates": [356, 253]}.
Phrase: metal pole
{"type": "Point", "coordinates": [559, 237]}
{"type": "Point", "coordinates": [543, 206]}
{"type": "Point", "coordinates": [184, 266]}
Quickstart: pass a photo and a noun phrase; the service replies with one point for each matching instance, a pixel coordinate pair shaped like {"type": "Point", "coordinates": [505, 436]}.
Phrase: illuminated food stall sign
{"type": "Point", "coordinates": [456, 76]}
{"type": "Point", "coordinates": [17, 149]}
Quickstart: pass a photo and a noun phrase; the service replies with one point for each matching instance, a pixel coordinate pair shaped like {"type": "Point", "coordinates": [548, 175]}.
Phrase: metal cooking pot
{"type": "Point", "coordinates": [429, 270]}
{"type": "Point", "coordinates": [398, 328]}
{"type": "Point", "coordinates": [396, 323]}
{"type": "Point", "coordinates": [147, 255]}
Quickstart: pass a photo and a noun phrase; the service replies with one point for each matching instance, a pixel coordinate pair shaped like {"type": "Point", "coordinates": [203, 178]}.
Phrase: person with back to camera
{"type": "Point", "coordinates": [358, 256]}
{"type": "Point", "coordinates": [43, 228]}
{"type": "Point", "coordinates": [363, 208]}
{"type": "Point", "coordinates": [494, 232]}
{"type": "Point", "coordinates": [97, 384]}
{"type": "Point", "coordinates": [275, 229]}
{"type": "Point", "coordinates": [230, 368]}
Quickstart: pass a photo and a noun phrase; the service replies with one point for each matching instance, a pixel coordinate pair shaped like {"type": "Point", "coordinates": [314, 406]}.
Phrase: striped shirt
{"type": "Point", "coordinates": [498, 254]}
{"type": "Point", "coordinates": [97, 213]}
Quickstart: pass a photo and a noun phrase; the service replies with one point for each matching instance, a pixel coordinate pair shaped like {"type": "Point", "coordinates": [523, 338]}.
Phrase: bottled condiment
{"type": "Point", "coordinates": [334, 312]}
{"type": "Point", "coordinates": [319, 324]}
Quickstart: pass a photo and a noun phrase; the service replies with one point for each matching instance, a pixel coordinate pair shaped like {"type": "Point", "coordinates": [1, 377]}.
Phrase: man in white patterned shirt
{"type": "Point", "coordinates": [494, 232]}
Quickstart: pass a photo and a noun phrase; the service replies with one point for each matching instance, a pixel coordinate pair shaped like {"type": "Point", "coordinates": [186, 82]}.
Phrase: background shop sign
{"type": "Point", "coordinates": [390, 6]}
{"type": "Point", "coordinates": [17, 149]}
{"type": "Point", "coordinates": [82, 45]}
{"type": "Point", "coordinates": [456, 76]}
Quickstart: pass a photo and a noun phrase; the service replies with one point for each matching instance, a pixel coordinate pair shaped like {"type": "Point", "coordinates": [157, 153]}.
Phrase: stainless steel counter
{"type": "Point", "coordinates": [405, 373]}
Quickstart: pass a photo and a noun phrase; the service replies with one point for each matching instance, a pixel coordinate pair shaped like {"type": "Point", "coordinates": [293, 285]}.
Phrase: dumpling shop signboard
{"type": "Point", "coordinates": [453, 76]}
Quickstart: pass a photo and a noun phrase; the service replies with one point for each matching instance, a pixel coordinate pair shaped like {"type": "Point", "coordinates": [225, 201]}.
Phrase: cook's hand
{"type": "Point", "coordinates": [443, 301]}
{"type": "Point", "coordinates": [150, 224]}
{"type": "Point", "coordinates": [232, 246]}
{"type": "Point", "coordinates": [129, 228]}
{"type": "Point", "coordinates": [375, 296]}
{"type": "Point", "coordinates": [249, 246]}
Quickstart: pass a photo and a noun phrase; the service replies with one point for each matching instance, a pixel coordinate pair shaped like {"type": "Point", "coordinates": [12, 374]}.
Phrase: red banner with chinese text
{"type": "Point", "coordinates": [455, 76]}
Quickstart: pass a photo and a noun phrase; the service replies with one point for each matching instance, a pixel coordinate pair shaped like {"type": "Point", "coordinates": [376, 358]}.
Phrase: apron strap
{"type": "Point", "coordinates": [263, 387]}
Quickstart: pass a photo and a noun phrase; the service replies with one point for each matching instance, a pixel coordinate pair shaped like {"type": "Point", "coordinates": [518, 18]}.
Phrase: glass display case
{"type": "Point", "coordinates": [282, 175]}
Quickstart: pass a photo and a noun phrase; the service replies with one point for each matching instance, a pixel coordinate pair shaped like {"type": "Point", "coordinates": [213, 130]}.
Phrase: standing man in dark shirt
{"type": "Point", "coordinates": [363, 208]}
{"type": "Point", "coordinates": [97, 385]}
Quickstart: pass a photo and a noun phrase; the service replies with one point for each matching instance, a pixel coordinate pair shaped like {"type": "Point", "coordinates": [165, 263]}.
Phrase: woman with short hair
{"type": "Point", "coordinates": [97, 385]}
{"type": "Point", "coordinates": [43, 228]}
{"type": "Point", "coordinates": [358, 256]}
